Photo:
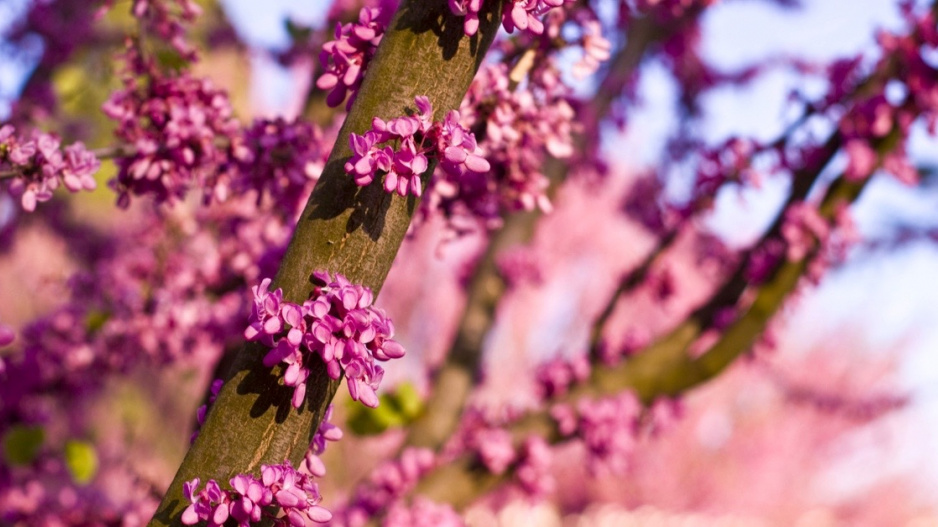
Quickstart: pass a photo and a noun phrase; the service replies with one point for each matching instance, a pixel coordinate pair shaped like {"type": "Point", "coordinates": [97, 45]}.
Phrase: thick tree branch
{"type": "Point", "coordinates": [346, 229]}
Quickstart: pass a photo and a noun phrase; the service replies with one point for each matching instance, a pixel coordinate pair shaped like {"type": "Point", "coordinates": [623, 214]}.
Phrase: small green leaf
{"type": "Point", "coordinates": [396, 408]}
{"type": "Point", "coordinates": [81, 460]}
{"type": "Point", "coordinates": [171, 59]}
{"type": "Point", "coordinates": [95, 320]}
{"type": "Point", "coordinates": [21, 444]}
{"type": "Point", "coordinates": [408, 401]}
{"type": "Point", "coordinates": [371, 421]}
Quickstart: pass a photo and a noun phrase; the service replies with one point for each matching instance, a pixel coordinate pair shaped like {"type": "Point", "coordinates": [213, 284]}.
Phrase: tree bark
{"type": "Point", "coordinates": [345, 229]}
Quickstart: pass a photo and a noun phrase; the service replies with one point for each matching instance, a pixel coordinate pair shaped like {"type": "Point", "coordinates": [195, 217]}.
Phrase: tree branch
{"type": "Point", "coordinates": [664, 368]}
{"type": "Point", "coordinates": [344, 228]}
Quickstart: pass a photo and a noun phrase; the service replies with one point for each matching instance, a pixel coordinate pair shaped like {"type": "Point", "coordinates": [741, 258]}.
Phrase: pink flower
{"type": "Point", "coordinates": [596, 50]}
{"type": "Point", "coordinates": [861, 159]}
{"type": "Point", "coordinates": [346, 58]}
{"type": "Point", "coordinates": [41, 166]}
{"type": "Point", "coordinates": [402, 167]}
{"type": "Point", "coordinates": [210, 504]}
{"type": "Point", "coordinates": [6, 335]}
{"type": "Point", "coordinates": [254, 496]}
{"type": "Point", "coordinates": [337, 324]}
{"type": "Point", "coordinates": [470, 10]}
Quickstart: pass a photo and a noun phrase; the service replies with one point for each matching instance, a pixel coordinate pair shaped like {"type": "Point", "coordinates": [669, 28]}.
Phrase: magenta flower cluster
{"type": "Point", "coordinates": [517, 14]}
{"type": "Point", "coordinates": [280, 159]}
{"type": "Point", "coordinates": [423, 513]}
{"type": "Point", "coordinates": [803, 227]}
{"type": "Point", "coordinates": [181, 130]}
{"type": "Point", "coordinates": [346, 58]}
{"type": "Point", "coordinates": [337, 323]}
{"type": "Point", "coordinates": [608, 428]}
{"type": "Point", "coordinates": [416, 137]}
{"type": "Point", "coordinates": [522, 125]}
{"type": "Point", "coordinates": [280, 485]}
{"type": "Point", "coordinates": [41, 165]}
{"type": "Point", "coordinates": [326, 432]}
{"type": "Point", "coordinates": [555, 377]}
{"type": "Point", "coordinates": [388, 483]}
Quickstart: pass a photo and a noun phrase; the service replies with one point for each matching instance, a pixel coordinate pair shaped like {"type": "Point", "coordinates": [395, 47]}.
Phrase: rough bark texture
{"type": "Point", "coordinates": [346, 229]}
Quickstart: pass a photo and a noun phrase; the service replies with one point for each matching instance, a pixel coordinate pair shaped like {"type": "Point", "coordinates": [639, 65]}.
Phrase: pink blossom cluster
{"type": "Point", "coordinates": [517, 14]}
{"type": "Point", "coordinates": [292, 492]}
{"type": "Point", "coordinates": [280, 485]}
{"type": "Point", "coordinates": [493, 446]}
{"type": "Point", "coordinates": [485, 436]}
{"type": "Point", "coordinates": [389, 482]}
{"type": "Point", "coordinates": [519, 265]}
{"type": "Point", "coordinates": [803, 228]}
{"type": "Point", "coordinates": [533, 470]}
{"type": "Point", "coordinates": [402, 167]}
{"type": "Point", "coordinates": [422, 513]}
{"type": "Point", "coordinates": [555, 376]}
{"type": "Point", "coordinates": [870, 119]}
{"type": "Point", "coordinates": [326, 432]}
{"type": "Point", "coordinates": [337, 323]}
{"type": "Point", "coordinates": [418, 138]}
{"type": "Point", "coordinates": [181, 130]}
{"type": "Point", "coordinates": [39, 165]}
{"type": "Point", "coordinates": [608, 428]}
{"type": "Point", "coordinates": [280, 160]}
{"type": "Point", "coordinates": [596, 49]}
{"type": "Point", "coordinates": [346, 58]}
{"type": "Point", "coordinates": [519, 127]}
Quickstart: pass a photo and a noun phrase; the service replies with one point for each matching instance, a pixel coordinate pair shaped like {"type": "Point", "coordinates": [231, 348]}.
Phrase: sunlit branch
{"type": "Point", "coordinates": [344, 228]}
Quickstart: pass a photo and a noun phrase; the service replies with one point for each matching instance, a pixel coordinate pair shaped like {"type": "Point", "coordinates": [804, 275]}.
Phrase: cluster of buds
{"type": "Point", "coordinates": [417, 138]}
{"type": "Point", "coordinates": [521, 14]}
{"type": "Point", "coordinates": [281, 485]}
{"type": "Point", "coordinates": [337, 323]}
{"type": "Point", "coordinates": [40, 165]}
{"type": "Point", "coordinates": [346, 58]}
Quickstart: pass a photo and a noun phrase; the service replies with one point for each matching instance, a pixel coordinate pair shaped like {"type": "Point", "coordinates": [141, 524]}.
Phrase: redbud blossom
{"type": "Point", "coordinates": [294, 493]}
{"type": "Point", "coordinates": [39, 166]}
{"type": "Point", "coordinates": [596, 50]}
{"type": "Point", "coordinates": [417, 139]}
{"type": "Point", "coordinates": [346, 58]}
{"type": "Point", "coordinates": [337, 323]}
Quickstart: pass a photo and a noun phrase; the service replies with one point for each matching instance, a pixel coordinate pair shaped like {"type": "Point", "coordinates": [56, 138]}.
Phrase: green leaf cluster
{"type": "Point", "coordinates": [397, 408]}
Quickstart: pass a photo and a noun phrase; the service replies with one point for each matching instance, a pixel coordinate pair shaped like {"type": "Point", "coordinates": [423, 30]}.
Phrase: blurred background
{"type": "Point", "coordinates": [801, 435]}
